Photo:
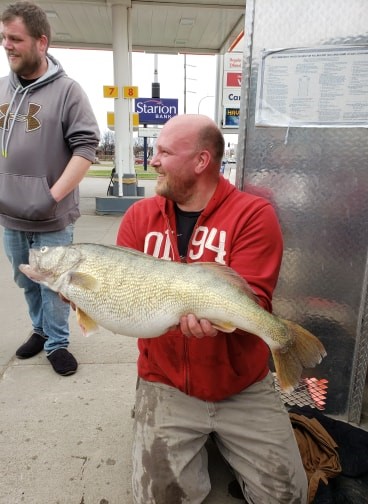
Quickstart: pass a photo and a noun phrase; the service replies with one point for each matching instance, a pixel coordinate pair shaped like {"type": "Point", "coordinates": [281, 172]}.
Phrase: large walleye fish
{"type": "Point", "coordinates": [137, 295]}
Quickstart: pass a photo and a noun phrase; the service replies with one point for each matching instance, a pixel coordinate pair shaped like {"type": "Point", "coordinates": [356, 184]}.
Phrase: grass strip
{"type": "Point", "coordinates": [150, 174]}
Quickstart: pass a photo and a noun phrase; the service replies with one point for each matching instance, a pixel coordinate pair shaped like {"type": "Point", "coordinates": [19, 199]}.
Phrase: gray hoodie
{"type": "Point", "coordinates": [41, 127]}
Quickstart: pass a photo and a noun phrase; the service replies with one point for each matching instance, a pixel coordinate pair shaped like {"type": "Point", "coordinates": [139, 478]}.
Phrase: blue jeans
{"type": "Point", "coordinates": [48, 313]}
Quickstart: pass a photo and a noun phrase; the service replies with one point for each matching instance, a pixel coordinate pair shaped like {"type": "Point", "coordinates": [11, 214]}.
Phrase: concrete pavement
{"type": "Point", "coordinates": [67, 440]}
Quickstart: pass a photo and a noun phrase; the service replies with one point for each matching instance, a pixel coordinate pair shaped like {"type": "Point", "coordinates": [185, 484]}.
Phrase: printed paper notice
{"type": "Point", "coordinates": [321, 87]}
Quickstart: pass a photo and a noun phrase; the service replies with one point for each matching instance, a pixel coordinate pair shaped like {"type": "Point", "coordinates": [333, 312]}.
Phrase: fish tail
{"type": "Point", "coordinates": [304, 351]}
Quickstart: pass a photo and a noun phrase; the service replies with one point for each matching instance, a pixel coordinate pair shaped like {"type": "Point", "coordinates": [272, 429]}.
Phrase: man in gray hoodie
{"type": "Point", "coordinates": [49, 137]}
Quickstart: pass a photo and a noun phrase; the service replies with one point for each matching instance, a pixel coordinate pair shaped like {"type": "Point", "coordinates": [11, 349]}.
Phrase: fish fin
{"type": "Point", "coordinates": [87, 325]}
{"type": "Point", "coordinates": [83, 280]}
{"type": "Point", "coordinates": [305, 351]}
{"type": "Point", "coordinates": [229, 275]}
{"type": "Point", "coordinates": [225, 327]}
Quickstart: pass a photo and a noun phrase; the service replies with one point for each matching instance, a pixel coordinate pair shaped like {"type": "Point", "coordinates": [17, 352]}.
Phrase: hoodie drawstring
{"type": "Point", "coordinates": [5, 144]}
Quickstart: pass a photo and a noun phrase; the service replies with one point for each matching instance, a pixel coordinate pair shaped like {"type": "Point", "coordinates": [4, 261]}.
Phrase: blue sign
{"type": "Point", "coordinates": [232, 117]}
{"type": "Point", "coordinates": [156, 110]}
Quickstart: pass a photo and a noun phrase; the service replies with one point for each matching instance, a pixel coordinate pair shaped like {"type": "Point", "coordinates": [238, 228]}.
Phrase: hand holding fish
{"type": "Point", "coordinates": [190, 326]}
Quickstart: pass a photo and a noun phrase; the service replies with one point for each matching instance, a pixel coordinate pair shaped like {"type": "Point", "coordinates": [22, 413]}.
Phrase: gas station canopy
{"type": "Point", "coordinates": [126, 26]}
{"type": "Point", "coordinates": [192, 27]}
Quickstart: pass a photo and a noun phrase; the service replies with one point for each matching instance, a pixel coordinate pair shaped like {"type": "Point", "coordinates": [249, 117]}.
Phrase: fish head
{"type": "Point", "coordinates": [48, 264]}
{"type": "Point", "coordinates": [54, 260]}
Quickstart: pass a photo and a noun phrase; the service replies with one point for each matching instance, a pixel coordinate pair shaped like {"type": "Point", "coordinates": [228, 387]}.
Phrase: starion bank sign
{"type": "Point", "coordinates": [156, 110]}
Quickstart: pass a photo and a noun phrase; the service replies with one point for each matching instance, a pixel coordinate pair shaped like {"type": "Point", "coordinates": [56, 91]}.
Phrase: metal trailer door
{"type": "Point", "coordinates": [315, 171]}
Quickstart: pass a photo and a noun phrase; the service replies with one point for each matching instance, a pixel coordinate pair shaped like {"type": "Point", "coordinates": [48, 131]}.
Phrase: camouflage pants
{"type": "Point", "coordinates": [253, 433]}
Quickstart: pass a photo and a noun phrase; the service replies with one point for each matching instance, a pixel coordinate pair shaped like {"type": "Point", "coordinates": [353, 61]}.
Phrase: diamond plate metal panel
{"type": "Point", "coordinates": [317, 178]}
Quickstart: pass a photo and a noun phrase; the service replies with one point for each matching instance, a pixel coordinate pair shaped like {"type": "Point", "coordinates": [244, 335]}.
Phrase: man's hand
{"type": "Point", "coordinates": [72, 305]}
{"type": "Point", "coordinates": [191, 326]}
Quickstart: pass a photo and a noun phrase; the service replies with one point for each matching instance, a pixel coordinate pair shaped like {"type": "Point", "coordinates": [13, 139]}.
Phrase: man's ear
{"type": "Point", "coordinates": [43, 43]}
{"type": "Point", "coordinates": [204, 158]}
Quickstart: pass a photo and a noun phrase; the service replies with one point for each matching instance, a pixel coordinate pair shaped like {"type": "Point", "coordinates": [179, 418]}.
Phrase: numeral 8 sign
{"type": "Point", "coordinates": [130, 91]}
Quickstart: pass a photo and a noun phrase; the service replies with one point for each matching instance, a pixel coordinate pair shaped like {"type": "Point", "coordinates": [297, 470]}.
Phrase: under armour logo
{"type": "Point", "coordinates": [32, 123]}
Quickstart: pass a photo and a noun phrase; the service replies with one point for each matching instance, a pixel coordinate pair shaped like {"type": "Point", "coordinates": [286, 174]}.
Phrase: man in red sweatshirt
{"type": "Point", "coordinates": [195, 380]}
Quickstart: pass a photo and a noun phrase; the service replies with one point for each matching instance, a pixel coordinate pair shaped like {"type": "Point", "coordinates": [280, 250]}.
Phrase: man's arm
{"type": "Point", "coordinates": [74, 172]}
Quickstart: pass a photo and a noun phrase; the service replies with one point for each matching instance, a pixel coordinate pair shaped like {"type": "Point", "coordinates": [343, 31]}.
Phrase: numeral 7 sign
{"type": "Point", "coordinates": [111, 91]}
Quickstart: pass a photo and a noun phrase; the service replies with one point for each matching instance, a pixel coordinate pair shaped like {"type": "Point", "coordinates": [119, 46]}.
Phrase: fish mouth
{"type": "Point", "coordinates": [31, 273]}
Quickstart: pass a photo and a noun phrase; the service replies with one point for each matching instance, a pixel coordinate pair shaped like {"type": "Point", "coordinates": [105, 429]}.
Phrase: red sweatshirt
{"type": "Point", "coordinates": [236, 229]}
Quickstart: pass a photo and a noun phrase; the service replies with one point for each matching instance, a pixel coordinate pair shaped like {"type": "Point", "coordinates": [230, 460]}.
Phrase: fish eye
{"type": "Point", "coordinates": [44, 249]}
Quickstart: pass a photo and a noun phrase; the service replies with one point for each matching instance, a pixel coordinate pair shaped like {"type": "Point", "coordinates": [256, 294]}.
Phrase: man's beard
{"type": "Point", "coordinates": [26, 67]}
{"type": "Point", "coordinates": [179, 192]}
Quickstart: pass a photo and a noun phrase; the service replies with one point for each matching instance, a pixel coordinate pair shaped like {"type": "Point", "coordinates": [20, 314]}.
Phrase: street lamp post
{"type": "Point", "coordinates": [185, 82]}
{"type": "Point", "coordinates": [200, 101]}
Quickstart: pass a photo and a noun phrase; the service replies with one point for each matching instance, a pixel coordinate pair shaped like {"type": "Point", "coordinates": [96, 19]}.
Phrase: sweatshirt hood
{"type": "Point", "coordinates": [54, 71]}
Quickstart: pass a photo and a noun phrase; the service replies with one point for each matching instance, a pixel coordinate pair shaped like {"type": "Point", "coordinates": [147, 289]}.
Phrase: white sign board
{"type": "Point", "coordinates": [315, 87]}
{"type": "Point", "coordinates": [231, 97]}
{"type": "Point", "coordinates": [233, 62]}
{"type": "Point", "coordinates": [149, 132]}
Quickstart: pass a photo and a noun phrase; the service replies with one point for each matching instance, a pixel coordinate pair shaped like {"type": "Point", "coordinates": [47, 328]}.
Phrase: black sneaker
{"type": "Point", "coordinates": [31, 347]}
{"type": "Point", "coordinates": [63, 362]}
